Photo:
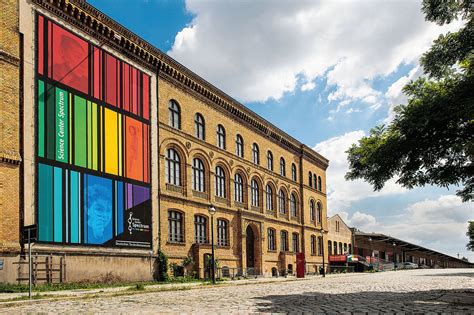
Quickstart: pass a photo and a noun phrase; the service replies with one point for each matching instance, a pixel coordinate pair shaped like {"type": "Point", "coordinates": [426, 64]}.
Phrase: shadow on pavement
{"type": "Point", "coordinates": [363, 302]}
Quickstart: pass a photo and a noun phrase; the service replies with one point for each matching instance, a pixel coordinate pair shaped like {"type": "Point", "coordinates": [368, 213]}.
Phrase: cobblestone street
{"type": "Point", "coordinates": [418, 291]}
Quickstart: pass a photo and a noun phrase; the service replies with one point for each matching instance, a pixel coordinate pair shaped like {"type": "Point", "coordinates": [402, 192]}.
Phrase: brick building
{"type": "Point", "coordinates": [111, 150]}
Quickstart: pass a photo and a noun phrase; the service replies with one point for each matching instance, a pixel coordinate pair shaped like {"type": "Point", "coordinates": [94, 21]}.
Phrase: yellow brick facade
{"type": "Point", "coordinates": [10, 157]}
{"type": "Point", "coordinates": [169, 81]}
{"type": "Point", "coordinates": [240, 215]}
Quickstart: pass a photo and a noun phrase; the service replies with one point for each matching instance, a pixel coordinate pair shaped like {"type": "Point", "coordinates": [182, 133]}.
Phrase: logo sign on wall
{"type": "Point", "coordinates": [93, 143]}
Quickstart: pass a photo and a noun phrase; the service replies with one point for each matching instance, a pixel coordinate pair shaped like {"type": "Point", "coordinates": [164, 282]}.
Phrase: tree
{"type": "Point", "coordinates": [470, 235]}
{"type": "Point", "coordinates": [431, 139]}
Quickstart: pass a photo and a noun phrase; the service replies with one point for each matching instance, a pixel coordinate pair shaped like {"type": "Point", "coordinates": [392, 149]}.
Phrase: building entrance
{"type": "Point", "coordinates": [250, 248]}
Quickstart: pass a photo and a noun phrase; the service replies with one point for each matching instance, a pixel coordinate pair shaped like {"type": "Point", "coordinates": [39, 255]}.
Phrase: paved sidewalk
{"type": "Point", "coordinates": [412, 291]}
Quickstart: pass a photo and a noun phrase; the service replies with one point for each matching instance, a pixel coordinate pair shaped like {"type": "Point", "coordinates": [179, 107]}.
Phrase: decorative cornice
{"type": "Point", "coordinates": [10, 157]}
{"type": "Point", "coordinates": [106, 30]}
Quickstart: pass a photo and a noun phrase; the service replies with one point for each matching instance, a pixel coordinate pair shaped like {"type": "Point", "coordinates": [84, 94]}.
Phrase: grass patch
{"type": "Point", "coordinates": [137, 285]}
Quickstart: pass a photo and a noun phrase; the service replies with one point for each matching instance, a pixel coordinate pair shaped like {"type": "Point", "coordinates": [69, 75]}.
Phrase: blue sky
{"type": "Point", "coordinates": [325, 80]}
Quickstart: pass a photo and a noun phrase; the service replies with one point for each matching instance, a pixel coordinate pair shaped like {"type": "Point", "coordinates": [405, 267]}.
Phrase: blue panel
{"type": "Point", "coordinates": [98, 205]}
{"type": "Point", "coordinates": [58, 204]}
{"type": "Point", "coordinates": [74, 207]}
{"type": "Point", "coordinates": [120, 206]}
{"type": "Point", "coordinates": [45, 203]}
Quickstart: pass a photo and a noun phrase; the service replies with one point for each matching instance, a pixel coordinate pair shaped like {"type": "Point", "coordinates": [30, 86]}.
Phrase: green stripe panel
{"type": "Point", "coordinates": [58, 204]}
{"type": "Point", "coordinates": [62, 125]}
{"type": "Point", "coordinates": [74, 207]}
{"type": "Point", "coordinates": [92, 139]}
{"type": "Point", "coordinates": [80, 131]}
{"type": "Point", "coordinates": [50, 122]}
{"type": "Point", "coordinates": [41, 118]}
{"type": "Point", "coordinates": [45, 203]}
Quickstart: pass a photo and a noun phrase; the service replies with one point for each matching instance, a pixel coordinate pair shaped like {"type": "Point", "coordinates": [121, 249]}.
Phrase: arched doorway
{"type": "Point", "coordinates": [250, 248]}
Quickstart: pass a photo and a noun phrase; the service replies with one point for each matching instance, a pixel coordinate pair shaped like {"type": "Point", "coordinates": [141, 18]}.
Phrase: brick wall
{"type": "Point", "coordinates": [9, 127]}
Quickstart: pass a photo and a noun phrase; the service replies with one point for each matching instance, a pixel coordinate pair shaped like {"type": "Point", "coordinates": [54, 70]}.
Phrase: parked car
{"type": "Point", "coordinates": [408, 265]}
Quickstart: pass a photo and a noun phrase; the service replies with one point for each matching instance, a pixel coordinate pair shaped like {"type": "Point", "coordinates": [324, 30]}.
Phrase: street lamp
{"type": "Point", "coordinates": [394, 256]}
{"type": "Point", "coordinates": [212, 211]}
{"type": "Point", "coordinates": [322, 249]}
{"type": "Point", "coordinates": [370, 257]}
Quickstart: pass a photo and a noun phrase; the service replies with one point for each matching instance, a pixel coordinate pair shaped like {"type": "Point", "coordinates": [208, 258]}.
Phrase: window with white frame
{"type": "Point", "coordinates": [282, 167]}
{"type": "Point", "coordinates": [282, 201]}
{"type": "Point", "coordinates": [220, 182]}
{"type": "Point", "coordinates": [199, 126]}
{"type": "Point", "coordinates": [175, 226]}
{"type": "Point", "coordinates": [269, 197]}
{"type": "Point", "coordinates": [222, 232]}
{"type": "Point", "coordinates": [238, 188]}
{"type": "Point", "coordinates": [239, 146]}
{"type": "Point", "coordinates": [174, 114]}
{"type": "Point", "coordinates": [200, 229]}
{"type": "Point", "coordinates": [198, 175]}
{"type": "Point", "coordinates": [221, 137]}
{"type": "Point", "coordinates": [254, 189]}
{"type": "Point", "coordinates": [173, 167]}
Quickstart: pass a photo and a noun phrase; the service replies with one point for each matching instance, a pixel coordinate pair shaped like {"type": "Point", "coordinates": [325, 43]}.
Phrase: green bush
{"type": "Point", "coordinates": [161, 273]}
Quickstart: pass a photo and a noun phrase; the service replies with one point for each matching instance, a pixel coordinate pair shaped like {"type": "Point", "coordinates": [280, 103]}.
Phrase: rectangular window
{"type": "Point", "coordinates": [284, 241]}
{"type": "Point", "coordinates": [222, 233]}
{"type": "Point", "coordinates": [271, 239]}
{"type": "Point", "coordinates": [295, 243]}
{"type": "Point", "coordinates": [175, 226]}
{"type": "Point", "coordinates": [200, 229]}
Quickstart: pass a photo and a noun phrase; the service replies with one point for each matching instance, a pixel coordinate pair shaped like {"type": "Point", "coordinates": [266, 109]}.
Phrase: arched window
{"type": "Point", "coordinates": [310, 179]}
{"type": "Point", "coordinates": [254, 193]}
{"type": "Point", "coordinates": [173, 168]}
{"type": "Point", "coordinates": [255, 154]}
{"type": "Point", "coordinates": [293, 172]}
{"type": "Point", "coordinates": [282, 201]}
{"type": "Point", "coordinates": [175, 226]}
{"type": "Point", "coordinates": [295, 243]}
{"type": "Point", "coordinates": [200, 126]}
{"type": "Point", "coordinates": [320, 214]}
{"type": "Point", "coordinates": [238, 188]}
{"type": "Point", "coordinates": [312, 211]}
{"type": "Point", "coordinates": [315, 179]}
{"type": "Point", "coordinates": [320, 186]}
{"type": "Point", "coordinates": [320, 246]}
{"type": "Point", "coordinates": [198, 175]}
{"type": "Point", "coordinates": [221, 137]}
{"type": "Point", "coordinates": [284, 241]}
{"type": "Point", "coordinates": [220, 182]}
{"type": "Point", "coordinates": [345, 248]}
{"type": "Point", "coordinates": [200, 229]}
{"type": "Point", "coordinates": [334, 247]}
{"type": "Point", "coordinates": [282, 167]}
{"type": "Point", "coordinates": [313, 245]}
{"type": "Point", "coordinates": [329, 248]}
{"type": "Point", "coordinates": [340, 248]}
{"type": "Point", "coordinates": [222, 232]}
{"type": "Point", "coordinates": [239, 146]}
{"type": "Point", "coordinates": [271, 239]}
{"type": "Point", "coordinates": [174, 114]}
{"type": "Point", "coordinates": [270, 160]}
{"type": "Point", "coordinates": [269, 197]}
{"type": "Point", "coordinates": [293, 205]}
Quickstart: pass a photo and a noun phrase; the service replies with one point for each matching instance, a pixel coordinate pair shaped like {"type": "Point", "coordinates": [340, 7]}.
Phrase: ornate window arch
{"type": "Point", "coordinates": [221, 137]}
{"type": "Point", "coordinates": [255, 193]}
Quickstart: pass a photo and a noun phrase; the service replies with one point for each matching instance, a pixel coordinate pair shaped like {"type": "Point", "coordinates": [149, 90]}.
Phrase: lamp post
{"type": "Point", "coordinates": [212, 211]}
{"type": "Point", "coordinates": [370, 257]}
{"type": "Point", "coordinates": [322, 250]}
{"type": "Point", "coordinates": [394, 256]}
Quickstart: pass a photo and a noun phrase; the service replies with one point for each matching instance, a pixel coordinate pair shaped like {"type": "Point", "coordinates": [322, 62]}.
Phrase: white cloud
{"type": "Point", "coordinates": [363, 221]}
{"type": "Point", "coordinates": [395, 95]}
{"type": "Point", "coordinates": [308, 86]}
{"type": "Point", "coordinates": [256, 50]}
{"type": "Point", "coordinates": [342, 193]}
